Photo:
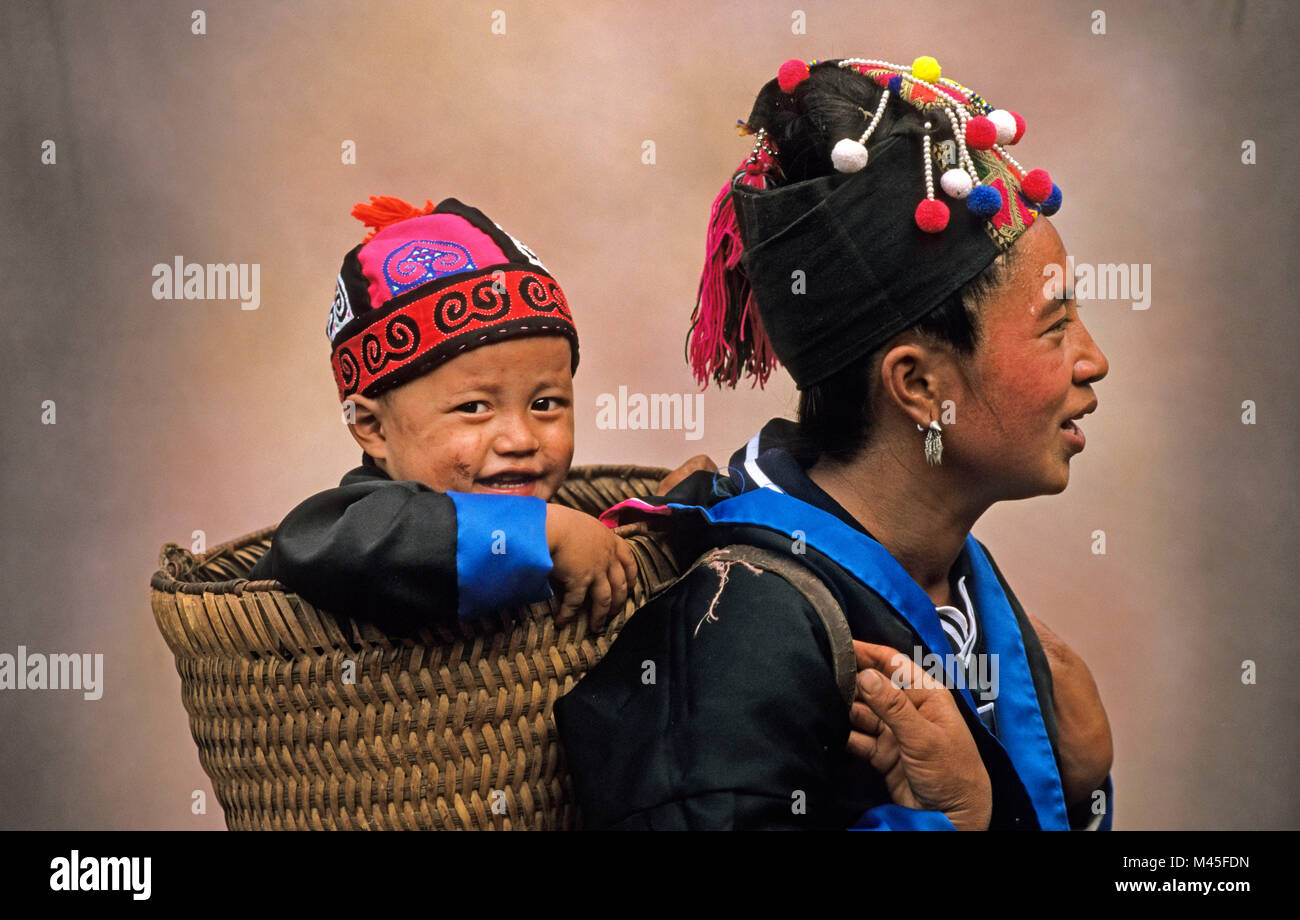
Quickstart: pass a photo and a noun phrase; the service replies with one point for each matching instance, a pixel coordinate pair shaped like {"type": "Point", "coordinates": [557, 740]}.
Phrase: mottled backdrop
{"type": "Point", "coordinates": [172, 416]}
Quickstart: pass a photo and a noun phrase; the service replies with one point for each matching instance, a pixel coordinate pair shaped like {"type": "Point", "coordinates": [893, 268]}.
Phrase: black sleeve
{"type": "Point", "coordinates": [716, 708]}
{"type": "Point", "coordinates": [380, 551]}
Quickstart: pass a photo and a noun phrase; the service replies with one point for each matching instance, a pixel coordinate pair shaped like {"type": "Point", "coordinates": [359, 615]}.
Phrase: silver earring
{"type": "Point", "coordinates": [933, 443]}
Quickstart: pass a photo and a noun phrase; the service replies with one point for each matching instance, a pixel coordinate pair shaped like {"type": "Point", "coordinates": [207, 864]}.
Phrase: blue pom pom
{"type": "Point", "coordinates": [895, 84]}
{"type": "Point", "coordinates": [1052, 203]}
{"type": "Point", "coordinates": [984, 201]}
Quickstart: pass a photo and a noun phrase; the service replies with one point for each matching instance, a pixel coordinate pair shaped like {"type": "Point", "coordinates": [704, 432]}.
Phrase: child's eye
{"type": "Point", "coordinates": [548, 404]}
{"type": "Point", "coordinates": [473, 407]}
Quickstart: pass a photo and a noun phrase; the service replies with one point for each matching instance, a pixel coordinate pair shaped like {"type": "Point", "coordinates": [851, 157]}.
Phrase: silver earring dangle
{"type": "Point", "coordinates": [933, 443]}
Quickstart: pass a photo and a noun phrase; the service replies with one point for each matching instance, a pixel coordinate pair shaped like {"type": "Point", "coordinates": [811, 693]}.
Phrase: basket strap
{"type": "Point", "coordinates": [818, 595]}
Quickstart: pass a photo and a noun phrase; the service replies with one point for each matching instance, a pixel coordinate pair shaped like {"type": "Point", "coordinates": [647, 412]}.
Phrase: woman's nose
{"type": "Point", "coordinates": [1091, 365]}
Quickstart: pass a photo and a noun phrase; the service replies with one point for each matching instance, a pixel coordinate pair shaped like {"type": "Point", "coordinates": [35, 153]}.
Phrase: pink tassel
{"type": "Point", "coordinates": [727, 336]}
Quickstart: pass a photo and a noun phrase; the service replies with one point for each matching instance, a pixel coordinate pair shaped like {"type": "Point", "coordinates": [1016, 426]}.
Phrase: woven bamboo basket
{"type": "Point", "coordinates": [308, 721]}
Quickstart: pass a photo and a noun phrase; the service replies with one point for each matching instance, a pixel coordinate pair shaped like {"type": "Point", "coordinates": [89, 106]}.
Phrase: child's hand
{"type": "Point", "coordinates": [698, 462]}
{"type": "Point", "coordinates": [592, 564]}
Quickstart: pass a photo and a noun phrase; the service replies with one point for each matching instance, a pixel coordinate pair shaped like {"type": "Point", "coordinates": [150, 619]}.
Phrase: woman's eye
{"type": "Point", "coordinates": [1061, 325]}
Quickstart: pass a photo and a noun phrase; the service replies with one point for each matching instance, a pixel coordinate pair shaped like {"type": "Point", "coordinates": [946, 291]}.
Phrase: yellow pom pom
{"type": "Point", "coordinates": [926, 68]}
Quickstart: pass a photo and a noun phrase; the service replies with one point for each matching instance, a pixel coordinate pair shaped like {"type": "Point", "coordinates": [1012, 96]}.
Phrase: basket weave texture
{"type": "Point", "coordinates": [308, 721]}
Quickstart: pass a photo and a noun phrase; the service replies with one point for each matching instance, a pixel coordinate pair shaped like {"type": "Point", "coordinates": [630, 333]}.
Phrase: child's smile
{"type": "Point", "coordinates": [498, 418]}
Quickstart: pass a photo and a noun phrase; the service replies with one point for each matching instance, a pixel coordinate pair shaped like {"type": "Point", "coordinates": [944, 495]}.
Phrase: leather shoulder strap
{"type": "Point", "coordinates": [818, 595]}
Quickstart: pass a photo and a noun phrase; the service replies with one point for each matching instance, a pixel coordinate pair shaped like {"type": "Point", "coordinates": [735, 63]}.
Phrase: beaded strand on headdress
{"type": "Point", "coordinates": [974, 123]}
{"type": "Point", "coordinates": [849, 155]}
{"type": "Point", "coordinates": [931, 215]}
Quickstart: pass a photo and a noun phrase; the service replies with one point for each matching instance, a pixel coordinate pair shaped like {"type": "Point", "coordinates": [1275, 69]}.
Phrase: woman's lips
{"type": "Point", "coordinates": [1073, 434]}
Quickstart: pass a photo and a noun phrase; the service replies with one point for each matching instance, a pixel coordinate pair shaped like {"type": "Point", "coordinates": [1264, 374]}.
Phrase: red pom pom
{"type": "Point", "coordinates": [1036, 185]}
{"type": "Point", "coordinates": [385, 210]}
{"type": "Point", "coordinates": [931, 215]}
{"type": "Point", "coordinates": [792, 73]}
{"type": "Point", "coordinates": [981, 133]}
{"type": "Point", "coordinates": [1020, 127]}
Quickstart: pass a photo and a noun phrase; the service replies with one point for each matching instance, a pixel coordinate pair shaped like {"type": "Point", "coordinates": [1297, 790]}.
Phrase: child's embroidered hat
{"type": "Point", "coordinates": [428, 284]}
{"type": "Point", "coordinates": [842, 250]}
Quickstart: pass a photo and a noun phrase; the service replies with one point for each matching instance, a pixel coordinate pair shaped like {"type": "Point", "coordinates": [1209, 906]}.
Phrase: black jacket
{"type": "Point", "coordinates": [716, 707]}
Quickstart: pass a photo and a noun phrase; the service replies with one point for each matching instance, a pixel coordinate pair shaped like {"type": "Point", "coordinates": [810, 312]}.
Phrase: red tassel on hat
{"type": "Point", "coordinates": [727, 335]}
{"type": "Point", "coordinates": [385, 210]}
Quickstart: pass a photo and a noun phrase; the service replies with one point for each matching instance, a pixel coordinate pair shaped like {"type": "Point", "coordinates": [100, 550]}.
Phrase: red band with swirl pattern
{"type": "Point", "coordinates": [410, 335]}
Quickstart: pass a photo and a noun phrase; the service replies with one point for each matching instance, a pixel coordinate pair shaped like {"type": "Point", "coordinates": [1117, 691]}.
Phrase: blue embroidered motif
{"type": "Point", "coordinates": [418, 261]}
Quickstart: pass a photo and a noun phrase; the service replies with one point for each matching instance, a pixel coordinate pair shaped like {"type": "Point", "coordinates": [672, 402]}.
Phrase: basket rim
{"type": "Point", "coordinates": [163, 581]}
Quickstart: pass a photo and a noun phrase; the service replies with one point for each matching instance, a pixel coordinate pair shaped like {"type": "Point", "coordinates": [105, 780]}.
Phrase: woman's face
{"type": "Point", "coordinates": [1032, 373]}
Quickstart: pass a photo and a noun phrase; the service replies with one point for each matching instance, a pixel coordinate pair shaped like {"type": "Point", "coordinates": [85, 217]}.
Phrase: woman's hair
{"type": "Point", "coordinates": [835, 417]}
{"type": "Point", "coordinates": [827, 106]}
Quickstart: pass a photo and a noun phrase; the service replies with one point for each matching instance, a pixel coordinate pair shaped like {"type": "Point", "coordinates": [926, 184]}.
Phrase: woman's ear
{"type": "Point", "coordinates": [911, 378]}
{"type": "Point", "coordinates": [366, 419]}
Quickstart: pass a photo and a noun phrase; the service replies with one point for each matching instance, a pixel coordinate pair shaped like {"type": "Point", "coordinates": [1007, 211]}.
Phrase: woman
{"type": "Point", "coordinates": [938, 375]}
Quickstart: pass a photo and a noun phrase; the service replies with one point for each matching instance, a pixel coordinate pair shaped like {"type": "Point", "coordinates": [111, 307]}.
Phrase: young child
{"type": "Point", "coordinates": [453, 350]}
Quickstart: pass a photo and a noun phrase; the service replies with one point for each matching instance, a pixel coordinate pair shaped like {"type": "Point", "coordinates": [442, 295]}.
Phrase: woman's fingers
{"type": "Point", "coordinates": [860, 745]}
{"type": "Point", "coordinates": [881, 694]}
{"type": "Point", "coordinates": [862, 719]}
{"type": "Point", "coordinates": [922, 739]}
{"type": "Point", "coordinates": [891, 705]}
{"type": "Point", "coordinates": [881, 750]}
{"type": "Point", "coordinates": [873, 656]}
{"type": "Point", "coordinates": [902, 670]}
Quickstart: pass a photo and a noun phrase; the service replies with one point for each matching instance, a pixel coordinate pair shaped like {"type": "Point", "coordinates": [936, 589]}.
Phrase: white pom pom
{"type": "Point", "coordinates": [1005, 122]}
{"type": "Point", "coordinates": [955, 183]}
{"type": "Point", "coordinates": [849, 156]}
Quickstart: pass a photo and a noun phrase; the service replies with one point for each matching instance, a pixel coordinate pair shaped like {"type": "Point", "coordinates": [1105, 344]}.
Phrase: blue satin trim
{"type": "Point", "coordinates": [517, 572]}
{"type": "Point", "coordinates": [1023, 732]}
{"type": "Point", "coordinates": [898, 818]}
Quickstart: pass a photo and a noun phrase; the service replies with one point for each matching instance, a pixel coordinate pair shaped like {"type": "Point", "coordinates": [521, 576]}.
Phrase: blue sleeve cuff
{"type": "Point", "coordinates": [898, 818]}
{"type": "Point", "coordinates": [502, 559]}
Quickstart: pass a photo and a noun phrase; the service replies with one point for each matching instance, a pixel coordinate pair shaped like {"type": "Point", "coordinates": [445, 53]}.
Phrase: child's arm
{"type": "Point", "coordinates": [399, 554]}
{"type": "Point", "coordinates": [393, 553]}
{"type": "Point", "coordinates": [502, 545]}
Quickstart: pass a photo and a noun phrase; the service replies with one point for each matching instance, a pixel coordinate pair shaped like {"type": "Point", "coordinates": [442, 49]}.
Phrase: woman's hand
{"type": "Point", "coordinates": [914, 735]}
{"type": "Point", "coordinates": [1083, 731]}
{"type": "Point", "coordinates": [698, 462]}
{"type": "Point", "coordinates": [592, 564]}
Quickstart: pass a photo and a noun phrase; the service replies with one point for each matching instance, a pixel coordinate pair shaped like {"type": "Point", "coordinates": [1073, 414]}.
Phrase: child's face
{"type": "Point", "coordinates": [498, 418]}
